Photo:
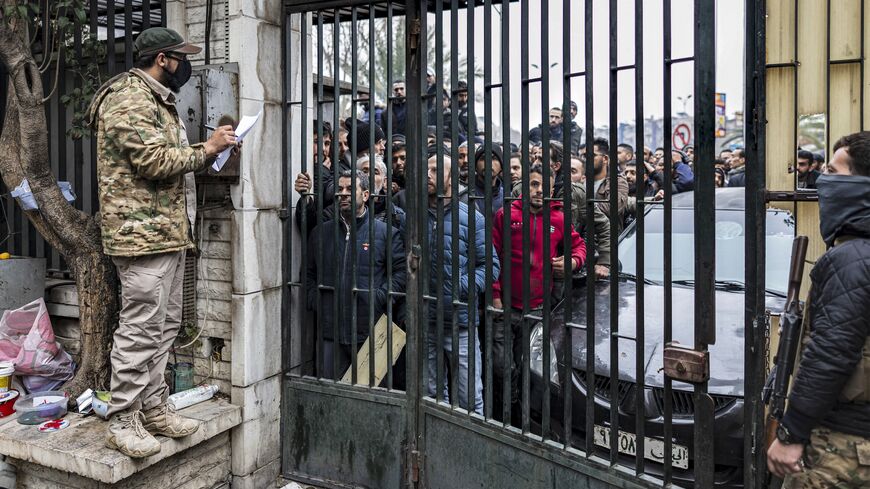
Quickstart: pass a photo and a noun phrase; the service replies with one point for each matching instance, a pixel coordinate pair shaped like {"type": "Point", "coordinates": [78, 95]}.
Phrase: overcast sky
{"type": "Point", "coordinates": [729, 38]}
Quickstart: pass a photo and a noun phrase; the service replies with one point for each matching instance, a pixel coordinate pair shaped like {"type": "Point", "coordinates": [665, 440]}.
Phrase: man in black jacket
{"type": "Point", "coordinates": [349, 263]}
{"type": "Point", "coordinates": [824, 436]}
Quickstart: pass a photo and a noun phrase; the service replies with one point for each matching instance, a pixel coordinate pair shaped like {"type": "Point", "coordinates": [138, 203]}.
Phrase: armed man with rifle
{"type": "Point", "coordinates": [823, 438]}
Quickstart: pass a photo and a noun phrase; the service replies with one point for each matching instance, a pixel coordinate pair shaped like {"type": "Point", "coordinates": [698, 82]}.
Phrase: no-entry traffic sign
{"type": "Point", "coordinates": [682, 136]}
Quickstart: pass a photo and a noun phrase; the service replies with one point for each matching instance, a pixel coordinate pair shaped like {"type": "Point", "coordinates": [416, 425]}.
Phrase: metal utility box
{"type": "Point", "coordinates": [211, 94]}
{"type": "Point", "coordinates": [22, 280]}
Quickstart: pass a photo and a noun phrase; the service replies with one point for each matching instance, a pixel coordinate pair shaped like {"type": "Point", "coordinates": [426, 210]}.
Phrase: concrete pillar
{"type": "Point", "coordinates": [254, 42]}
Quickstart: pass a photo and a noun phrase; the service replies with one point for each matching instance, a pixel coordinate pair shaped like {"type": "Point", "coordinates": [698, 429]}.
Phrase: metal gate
{"type": "Point", "coordinates": [512, 368]}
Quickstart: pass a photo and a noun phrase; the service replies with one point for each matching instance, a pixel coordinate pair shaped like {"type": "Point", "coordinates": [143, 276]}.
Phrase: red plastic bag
{"type": "Point", "coordinates": [27, 340]}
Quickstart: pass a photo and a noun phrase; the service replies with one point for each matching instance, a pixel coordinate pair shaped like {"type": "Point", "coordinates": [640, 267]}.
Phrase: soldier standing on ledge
{"type": "Point", "coordinates": [823, 439]}
{"type": "Point", "coordinates": [148, 204]}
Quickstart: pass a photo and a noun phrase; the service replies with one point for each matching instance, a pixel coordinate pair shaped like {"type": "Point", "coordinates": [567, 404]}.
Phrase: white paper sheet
{"type": "Point", "coordinates": [245, 125]}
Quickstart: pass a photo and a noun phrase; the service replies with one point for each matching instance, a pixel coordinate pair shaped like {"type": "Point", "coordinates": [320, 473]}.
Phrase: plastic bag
{"type": "Point", "coordinates": [28, 202]}
{"type": "Point", "coordinates": [27, 340]}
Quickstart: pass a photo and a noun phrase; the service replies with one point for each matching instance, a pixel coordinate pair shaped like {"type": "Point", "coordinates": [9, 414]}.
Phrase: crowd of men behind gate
{"type": "Point", "coordinates": [380, 229]}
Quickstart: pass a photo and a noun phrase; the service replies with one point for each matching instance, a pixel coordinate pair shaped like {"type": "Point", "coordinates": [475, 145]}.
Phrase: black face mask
{"type": "Point", "coordinates": [182, 74]}
{"type": "Point", "coordinates": [844, 202]}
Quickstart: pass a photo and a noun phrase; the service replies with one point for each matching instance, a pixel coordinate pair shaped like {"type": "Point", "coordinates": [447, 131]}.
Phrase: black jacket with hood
{"type": "Point", "coordinates": [839, 317]}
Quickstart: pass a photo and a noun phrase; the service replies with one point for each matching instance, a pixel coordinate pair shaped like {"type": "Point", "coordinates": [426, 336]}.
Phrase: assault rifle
{"type": "Point", "coordinates": [776, 388]}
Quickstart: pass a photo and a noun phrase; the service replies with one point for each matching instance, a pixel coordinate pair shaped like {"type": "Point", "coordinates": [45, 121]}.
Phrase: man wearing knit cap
{"type": "Point", "coordinates": [363, 139]}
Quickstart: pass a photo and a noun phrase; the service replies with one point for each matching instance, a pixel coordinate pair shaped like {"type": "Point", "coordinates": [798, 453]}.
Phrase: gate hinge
{"type": "Point", "coordinates": [415, 466]}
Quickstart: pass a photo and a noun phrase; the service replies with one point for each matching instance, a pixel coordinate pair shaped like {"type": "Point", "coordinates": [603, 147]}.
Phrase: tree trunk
{"type": "Point", "coordinates": [24, 153]}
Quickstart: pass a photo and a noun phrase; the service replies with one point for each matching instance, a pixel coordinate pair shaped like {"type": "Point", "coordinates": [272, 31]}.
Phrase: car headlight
{"type": "Point", "coordinates": [536, 361]}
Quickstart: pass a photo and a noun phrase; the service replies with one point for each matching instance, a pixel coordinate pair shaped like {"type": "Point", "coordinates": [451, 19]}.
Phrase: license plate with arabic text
{"type": "Point", "coordinates": [653, 449]}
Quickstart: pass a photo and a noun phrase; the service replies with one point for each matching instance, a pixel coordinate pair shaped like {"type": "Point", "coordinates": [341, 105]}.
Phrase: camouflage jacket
{"type": "Point", "coordinates": [144, 166]}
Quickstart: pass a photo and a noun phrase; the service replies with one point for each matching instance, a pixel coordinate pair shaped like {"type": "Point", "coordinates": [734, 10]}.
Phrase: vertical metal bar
{"type": "Point", "coordinates": [488, 217]}
{"type": "Point", "coordinates": [566, 376]}
{"type": "Point", "coordinates": [318, 177]}
{"type": "Point", "coordinates": [863, 88]}
{"type": "Point", "coordinates": [417, 222]}
{"type": "Point", "coordinates": [163, 13]}
{"type": "Point", "coordinates": [473, 314]}
{"type": "Point", "coordinates": [705, 218]}
{"type": "Point", "coordinates": [524, 68]}
{"type": "Point", "coordinates": [336, 108]}
{"type": "Point", "coordinates": [146, 14]}
{"type": "Point", "coordinates": [372, 200]}
{"type": "Point", "coordinates": [388, 163]}
{"type": "Point", "coordinates": [454, 207]}
{"type": "Point", "coordinates": [353, 236]}
{"type": "Point", "coordinates": [794, 131]}
{"type": "Point", "coordinates": [507, 360]}
{"type": "Point", "coordinates": [640, 195]}
{"type": "Point", "coordinates": [78, 148]}
{"type": "Point", "coordinates": [93, 195]}
{"type": "Point", "coordinates": [64, 164]}
{"type": "Point", "coordinates": [545, 232]}
{"type": "Point", "coordinates": [755, 361]}
{"type": "Point", "coordinates": [305, 133]}
{"type": "Point", "coordinates": [440, 381]}
{"type": "Point", "coordinates": [827, 87]}
{"type": "Point", "coordinates": [667, 261]}
{"type": "Point", "coordinates": [128, 34]}
{"type": "Point", "coordinates": [612, 175]}
{"type": "Point", "coordinates": [111, 50]}
{"type": "Point", "coordinates": [588, 50]}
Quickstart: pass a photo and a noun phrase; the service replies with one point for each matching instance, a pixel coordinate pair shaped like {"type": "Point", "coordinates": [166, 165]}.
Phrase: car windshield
{"type": "Point", "coordinates": [730, 247]}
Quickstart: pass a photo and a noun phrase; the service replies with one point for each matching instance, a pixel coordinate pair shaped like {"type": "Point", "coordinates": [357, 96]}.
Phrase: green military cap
{"type": "Point", "coordinates": [162, 40]}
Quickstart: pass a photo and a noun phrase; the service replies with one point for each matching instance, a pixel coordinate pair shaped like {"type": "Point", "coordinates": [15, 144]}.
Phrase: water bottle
{"type": "Point", "coordinates": [193, 396]}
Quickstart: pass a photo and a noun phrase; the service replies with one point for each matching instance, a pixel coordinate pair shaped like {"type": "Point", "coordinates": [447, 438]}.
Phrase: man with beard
{"type": "Point", "coordinates": [400, 156]}
{"type": "Point", "coordinates": [807, 176]}
{"type": "Point", "coordinates": [630, 174]}
{"type": "Point", "coordinates": [536, 135]}
{"type": "Point", "coordinates": [399, 109]}
{"type": "Point", "coordinates": [578, 170]}
{"type": "Point", "coordinates": [602, 182]}
{"type": "Point", "coordinates": [147, 197]}
{"type": "Point", "coordinates": [823, 439]}
{"type": "Point", "coordinates": [477, 189]}
{"type": "Point", "coordinates": [462, 112]}
{"type": "Point", "coordinates": [516, 168]}
{"type": "Point", "coordinates": [578, 212]}
{"type": "Point", "coordinates": [576, 130]}
{"type": "Point", "coordinates": [463, 164]}
{"type": "Point", "coordinates": [308, 204]}
{"type": "Point", "coordinates": [624, 154]}
{"type": "Point", "coordinates": [331, 258]}
{"type": "Point", "coordinates": [378, 197]}
{"type": "Point", "coordinates": [510, 248]}
{"type": "Point", "coordinates": [737, 175]}
{"type": "Point", "coordinates": [445, 207]}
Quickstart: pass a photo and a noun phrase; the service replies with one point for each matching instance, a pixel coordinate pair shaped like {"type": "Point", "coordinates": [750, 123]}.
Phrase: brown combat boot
{"type": "Point", "coordinates": [127, 435]}
{"type": "Point", "coordinates": [163, 420]}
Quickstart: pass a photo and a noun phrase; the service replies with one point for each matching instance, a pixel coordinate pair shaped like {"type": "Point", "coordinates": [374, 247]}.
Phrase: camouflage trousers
{"type": "Point", "coordinates": [833, 460]}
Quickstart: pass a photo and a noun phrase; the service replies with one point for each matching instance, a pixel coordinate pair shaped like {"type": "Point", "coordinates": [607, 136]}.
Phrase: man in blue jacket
{"type": "Point", "coordinates": [472, 279]}
{"type": "Point", "coordinates": [338, 266]}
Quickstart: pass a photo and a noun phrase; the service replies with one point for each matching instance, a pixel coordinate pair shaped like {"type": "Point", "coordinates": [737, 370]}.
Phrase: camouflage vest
{"type": "Point", "coordinates": [143, 160]}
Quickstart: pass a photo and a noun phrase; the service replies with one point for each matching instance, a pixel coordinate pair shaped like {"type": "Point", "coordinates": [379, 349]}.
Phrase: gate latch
{"type": "Point", "coordinates": [686, 364]}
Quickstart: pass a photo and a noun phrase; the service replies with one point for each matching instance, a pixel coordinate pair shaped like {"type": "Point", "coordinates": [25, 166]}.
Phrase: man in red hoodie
{"type": "Point", "coordinates": [511, 246]}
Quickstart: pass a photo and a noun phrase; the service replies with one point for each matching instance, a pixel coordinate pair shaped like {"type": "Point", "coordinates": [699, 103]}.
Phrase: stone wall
{"type": "Point", "coordinates": [246, 314]}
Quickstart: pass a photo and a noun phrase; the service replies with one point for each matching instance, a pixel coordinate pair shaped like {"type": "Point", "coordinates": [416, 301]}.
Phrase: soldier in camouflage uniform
{"type": "Point", "coordinates": [147, 205]}
{"type": "Point", "coordinates": [823, 439]}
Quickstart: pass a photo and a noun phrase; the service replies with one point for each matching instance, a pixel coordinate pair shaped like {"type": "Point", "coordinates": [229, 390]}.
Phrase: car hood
{"type": "Point", "coordinates": [726, 355]}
